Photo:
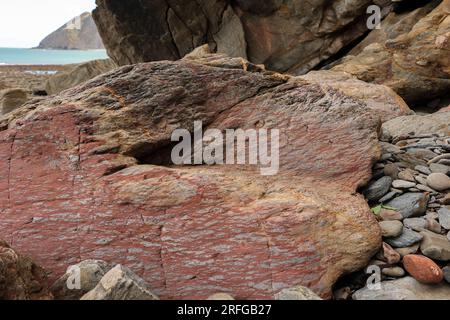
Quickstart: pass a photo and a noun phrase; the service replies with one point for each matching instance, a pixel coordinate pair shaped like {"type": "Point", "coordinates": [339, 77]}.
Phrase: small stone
{"type": "Point", "coordinates": [421, 180]}
{"type": "Point", "coordinates": [435, 246]}
{"type": "Point", "coordinates": [403, 184]}
{"type": "Point", "coordinates": [417, 224]}
{"type": "Point", "coordinates": [422, 187]}
{"type": "Point", "coordinates": [433, 225]}
{"type": "Point", "coordinates": [391, 229]}
{"type": "Point", "coordinates": [388, 254]}
{"type": "Point", "coordinates": [444, 218]}
{"type": "Point", "coordinates": [432, 215]}
{"type": "Point", "coordinates": [296, 294]}
{"type": "Point", "coordinates": [439, 168]}
{"type": "Point", "coordinates": [407, 239]}
{"type": "Point", "coordinates": [446, 271]}
{"type": "Point", "coordinates": [391, 170]}
{"type": "Point", "coordinates": [410, 204]}
{"type": "Point", "coordinates": [390, 215]}
{"type": "Point", "coordinates": [438, 181]}
{"type": "Point", "coordinates": [221, 297]}
{"type": "Point", "coordinates": [423, 269]}
{"type": "Point", "coordinates": [388, 196]}
{"type": "Point", "coordinates": [423, 169]}
{"type": "Point", "coordinates": [445, 200]}
{"type": "Point", "coordinates": [395, 272]}
{"type": "Point", "coordinates": [407, 175]}
{"type": "Point", "coordinates": [378, 189]}
{"type": "Point", "coordinates": [408, 250]}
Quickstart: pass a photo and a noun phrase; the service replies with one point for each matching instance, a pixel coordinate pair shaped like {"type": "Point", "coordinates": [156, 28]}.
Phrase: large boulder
{"type": "Point", "coordinates": [77, 75]}
{"type": "Point", "coordinates": [20, 277]}
{"type": "Point", "coordinates": [409, 55]}
{"type": "Point", "coordinates": [11, 99]}
{"type": "Point", "coordinates": [87, 175]}
{"type": "Point", "coordinates": [290, 36]}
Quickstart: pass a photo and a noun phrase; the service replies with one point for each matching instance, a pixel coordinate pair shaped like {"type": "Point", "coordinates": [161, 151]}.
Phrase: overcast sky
{"type": "Point", "coordinates": [24, 23]}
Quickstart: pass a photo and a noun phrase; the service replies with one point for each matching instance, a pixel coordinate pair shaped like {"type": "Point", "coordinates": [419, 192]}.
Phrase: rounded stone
{"type": "Point", "coordinates": [410, 204]}
{"type": "Point", "coordinates": [378, 189]}
{"type": "Point", "coordinates": [423, 269]}
{"type": "Point", "coordinates": [390, 215]}
{"type": "Point", "coordinates": [391, 170]}
{"type": "Point", "coordinates": [438, 181]}
{"type": "Point", "coordinates": [403, 184]}
{"type": "Point", "coordinates": [391, 229]}
{"type": "Point", "coordinates": [395, 272]}
{"type": "Point", "coordinates": [446, 271]}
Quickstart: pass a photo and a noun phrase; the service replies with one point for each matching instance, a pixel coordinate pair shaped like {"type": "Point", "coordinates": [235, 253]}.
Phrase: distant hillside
{"type": "Point", "coordinates": [79, 33]}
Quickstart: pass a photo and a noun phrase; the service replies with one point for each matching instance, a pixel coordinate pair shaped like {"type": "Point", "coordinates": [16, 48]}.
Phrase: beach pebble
{"type": "Point", "coordinates": [407, 175]}
{"type": "Point", "coordinates": [446, 271]}
{"type": "Point", "coordinates": [439, 168]}
{"type": "Point", "coordinates": [417, 224]}
{"type": "Point", "coordinates": [403, 184]}
{"type": "Point", "coordinates": [433, 225]}
{"type": "Point", "coordinates": [388, 254]}
{"type": "Point", "coordinates": [378, 189]}
{"type": "Point", "coordinates": [408, 250]}
{"type": "Point", "coordinates": [423, 269]}
{"type": "Point", "coordinates": [390, 215]}
{"type": "Point", "coordinates": [406, 239]}
{"type": "Point", "coordinates": [423, 169]}
{"type": "Point", "coordinates": [435, 246]}
{"type": "Point", "coordinates": [410, 204]}
{"type": "Point", "coordinates": [395, 272]}
{"type": "Point", "coordinates": [391, 170]}
{"type": "Point", "coordinates": [391, 229]}
{"type": "Point", "coordinates": [438, 181]}
{"type": "Point", "coordinates": [444, 218]}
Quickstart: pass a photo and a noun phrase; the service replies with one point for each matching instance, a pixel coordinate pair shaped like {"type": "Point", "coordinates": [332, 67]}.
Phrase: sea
{"type": "Point", "coordinates": [21, 56]}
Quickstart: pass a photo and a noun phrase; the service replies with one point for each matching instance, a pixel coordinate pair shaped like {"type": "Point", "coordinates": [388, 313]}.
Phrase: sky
{"type": "Point", "coordinates": [24, 23]}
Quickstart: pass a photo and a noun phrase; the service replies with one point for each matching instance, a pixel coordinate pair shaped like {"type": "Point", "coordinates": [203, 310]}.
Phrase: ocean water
{"type": "Point", "coordinates": [45, 57]}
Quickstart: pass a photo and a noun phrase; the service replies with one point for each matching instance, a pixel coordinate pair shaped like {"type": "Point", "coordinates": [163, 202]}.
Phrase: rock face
{"type": "Point", "coordinates": [86, 175]}
{"type": "Point", "coordinates": [410, 55]}
{"type": "Point", "coordinates": [79, 33]}
{"type": "Point", "coordinates": [79, 74]}
{"type": "Point", "coordinates": [11, 99]}
{"type": "Point", "coordinates": [290, 36]}
{"type": "Point", "coordinates": [20, 278]}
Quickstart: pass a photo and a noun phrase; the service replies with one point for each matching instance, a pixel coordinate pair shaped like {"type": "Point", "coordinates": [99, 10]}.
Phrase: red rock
{"type": "Point", "coordinates": [71, 188]}
{"type": "Point", "coordinates": [423, 269]}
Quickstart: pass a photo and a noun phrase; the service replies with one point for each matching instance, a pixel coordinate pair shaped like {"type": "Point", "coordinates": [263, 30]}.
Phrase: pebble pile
{"type": "Point", "coordinates": [410, 195]}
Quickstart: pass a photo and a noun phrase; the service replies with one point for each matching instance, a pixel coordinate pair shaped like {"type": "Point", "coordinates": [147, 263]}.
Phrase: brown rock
{"type": "Point", "coordinates": [423, 269]}
{"type": "Point", "coordinates": [290, 36]}
{"type": "Point", "coordinates": [390, 215]}
{"type": "Point", "coordinates": [411, 58]}
{"type": "Point", "coordinates": [21, 278]}
{"type": "Point", "coordinates": [70, 185]}
{"type": "Point", "coordinates": [11, 99]}
{"type": "Point", "coordinates": [388, 254]}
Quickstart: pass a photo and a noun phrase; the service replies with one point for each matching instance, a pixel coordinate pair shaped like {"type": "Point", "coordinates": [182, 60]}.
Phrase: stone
{"type": "Point", "coordinates": [445, 200]}
{"type": "Point", "coordinates": [391, 170]}
{"type": "Point", "coordinates": [423, 269]}
{"type": "Point", "coordinates": [416, 224]}
{"type": "Point", "coordinates": [77, 75]}
{"type": "Point", "coordinates": [408, 250]}
{"type": "Point", "coordinates": [20, 277]}
{"type": "Point", "coordinates": [284, 36]}
{"type": "Point", "coordinates": [390, 215]}
{"type": "Point", "coordinates": [421, 180]}
{"type": "Point", "coordinates": [402, 184]}
{"type": "Point", "coordinates": [432, 123]}
{"type": "Point", "coordinates": [407, 175]}
{"type": "Point", "coordinates": [406, 239]}
{"type": "Point", "coordinates": [297, 293]}
{"type": "Point", "coordinates": [391, 229]}
{"type": "Point", "coordinates": [389, 196]}
{"type": "Point", "coordinates": [221, 297]}
{"type": "Point", "coordinates": [435, 246]}
{"type": "Point", "coordinates": [406, 288]}
{"type": "Point", "coordinates": [90, 177]}
{"type": "Point", "coordinates": [439, 168]}
{"type": "Point", "coordinates": [388, 254]}
{"type": "Point", "coordinates": [395, 272]}
{"type": "Point", "coordinates": [408, 57]}
{"type": "Point", "coordinates": [423, 169]}
{"type": "Point", "coordinates": [90, 273]}
{"type": "Point", "coordinates": [438, 181]}
{"type": "Point", "coordinates": [120, 283]}
{"type": "Point", "coordinates": [444, 218]}
{"type": "Point", "coordinates": [446, 271]}
{"type": "Point", "coordinates": [11, 99]}
{"type": "Point", "coordinates": [410, 204]}
{"type": "Point", "coordinates": [378, 189]}
{"type": "Point", "coordinates": [433, 225]}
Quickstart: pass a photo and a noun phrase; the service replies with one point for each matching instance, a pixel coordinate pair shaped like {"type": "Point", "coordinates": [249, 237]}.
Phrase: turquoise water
{"type": "Point", "coordinates": [40, 56]}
